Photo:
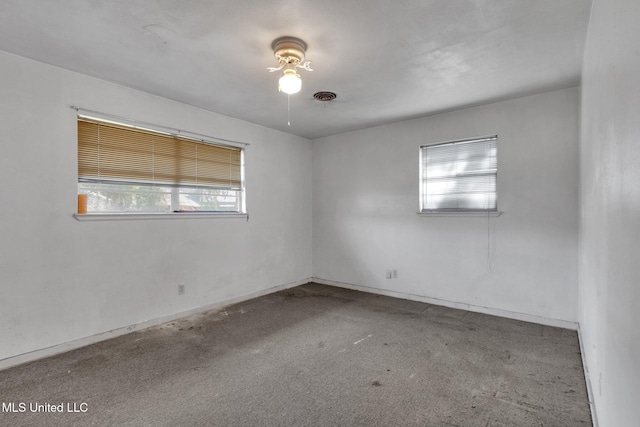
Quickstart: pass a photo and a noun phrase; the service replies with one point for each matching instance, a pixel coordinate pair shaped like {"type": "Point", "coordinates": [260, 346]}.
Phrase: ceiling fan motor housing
{"type": "Point", "coordinates": [289, 47]}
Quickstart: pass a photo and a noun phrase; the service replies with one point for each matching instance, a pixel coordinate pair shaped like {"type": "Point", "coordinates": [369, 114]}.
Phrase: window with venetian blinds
{"type": "Point", "coordinates": [124, 159]}
{"type": "Point", "coordinates": [459, 176]}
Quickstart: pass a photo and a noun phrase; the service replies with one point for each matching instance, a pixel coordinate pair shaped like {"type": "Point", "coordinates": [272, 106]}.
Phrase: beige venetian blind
{"type": "Point", "coordinates": [111, 152]}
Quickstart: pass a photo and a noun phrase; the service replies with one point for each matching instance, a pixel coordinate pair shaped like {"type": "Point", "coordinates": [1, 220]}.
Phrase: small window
{"type": "Point", "coordinates": [128, 169]}
{"type": "Point", "coordinates": [459, 176]}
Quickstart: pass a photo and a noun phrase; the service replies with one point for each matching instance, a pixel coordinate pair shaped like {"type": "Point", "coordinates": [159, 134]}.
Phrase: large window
{"type": "Point", "coordinates": [128, 169]}
{"type": "Point", "coordinates": [459, 176]}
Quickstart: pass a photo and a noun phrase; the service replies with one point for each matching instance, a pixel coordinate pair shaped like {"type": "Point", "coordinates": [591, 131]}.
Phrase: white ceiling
{"type": "Point", "coordinates": [387, 60]}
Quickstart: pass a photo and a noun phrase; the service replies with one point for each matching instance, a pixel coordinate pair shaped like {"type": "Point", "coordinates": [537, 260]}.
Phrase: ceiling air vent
{"type": "Point", "coordinates": [325, 96]}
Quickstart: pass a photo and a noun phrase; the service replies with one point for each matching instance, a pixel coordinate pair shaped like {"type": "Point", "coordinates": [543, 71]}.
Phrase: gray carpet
{"type": "Point", "coordinates": [313, 356]}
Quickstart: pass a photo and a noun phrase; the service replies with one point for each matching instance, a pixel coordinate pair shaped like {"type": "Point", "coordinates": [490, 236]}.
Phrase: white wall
{"type": "Point", "coordinates": [365, 199]}
{"type": "Point", "coordinates": [64, 280]}
{"type": "Point", "coordinates": [610, 211]}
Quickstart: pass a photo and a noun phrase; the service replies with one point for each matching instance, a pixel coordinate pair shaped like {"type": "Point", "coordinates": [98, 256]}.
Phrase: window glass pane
{"type": "Point", "coordinates": [111, 198]}
{"type": "Point", "coordinates": [114, 197]}
{"type": "Point", "coordinates": [207, 199]}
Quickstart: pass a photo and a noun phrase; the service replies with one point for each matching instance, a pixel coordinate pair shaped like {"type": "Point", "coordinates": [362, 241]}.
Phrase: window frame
{"type": "Point", "coordinates": [174, 187]}
{"type": "Point", "coordinates": [423, 181]}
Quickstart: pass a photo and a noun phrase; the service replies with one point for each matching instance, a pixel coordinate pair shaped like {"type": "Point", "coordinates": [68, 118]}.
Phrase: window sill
{"type": "Point", "coordinates": [492, 214]}
{"type": "Point", "coordinates": [147, 216]}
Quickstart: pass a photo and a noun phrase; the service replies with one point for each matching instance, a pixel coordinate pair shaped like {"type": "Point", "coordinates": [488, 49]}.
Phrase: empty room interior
{"type": "Point", "coordinates": [289, 212]}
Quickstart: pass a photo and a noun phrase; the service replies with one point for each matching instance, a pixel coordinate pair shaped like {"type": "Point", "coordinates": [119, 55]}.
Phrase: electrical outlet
{"type": "Point", "coordinates": [181, 289]}
{"type": "Point", "coordinates": [394, 274]}
{"type": "Point", "coordinates": [388, 274]}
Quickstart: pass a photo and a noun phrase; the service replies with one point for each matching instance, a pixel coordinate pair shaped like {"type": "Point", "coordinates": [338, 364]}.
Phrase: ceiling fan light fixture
{"type": "Point", "coordinates": [290, 52]}
{"type": "Point", "coordinates": [290, 82]}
